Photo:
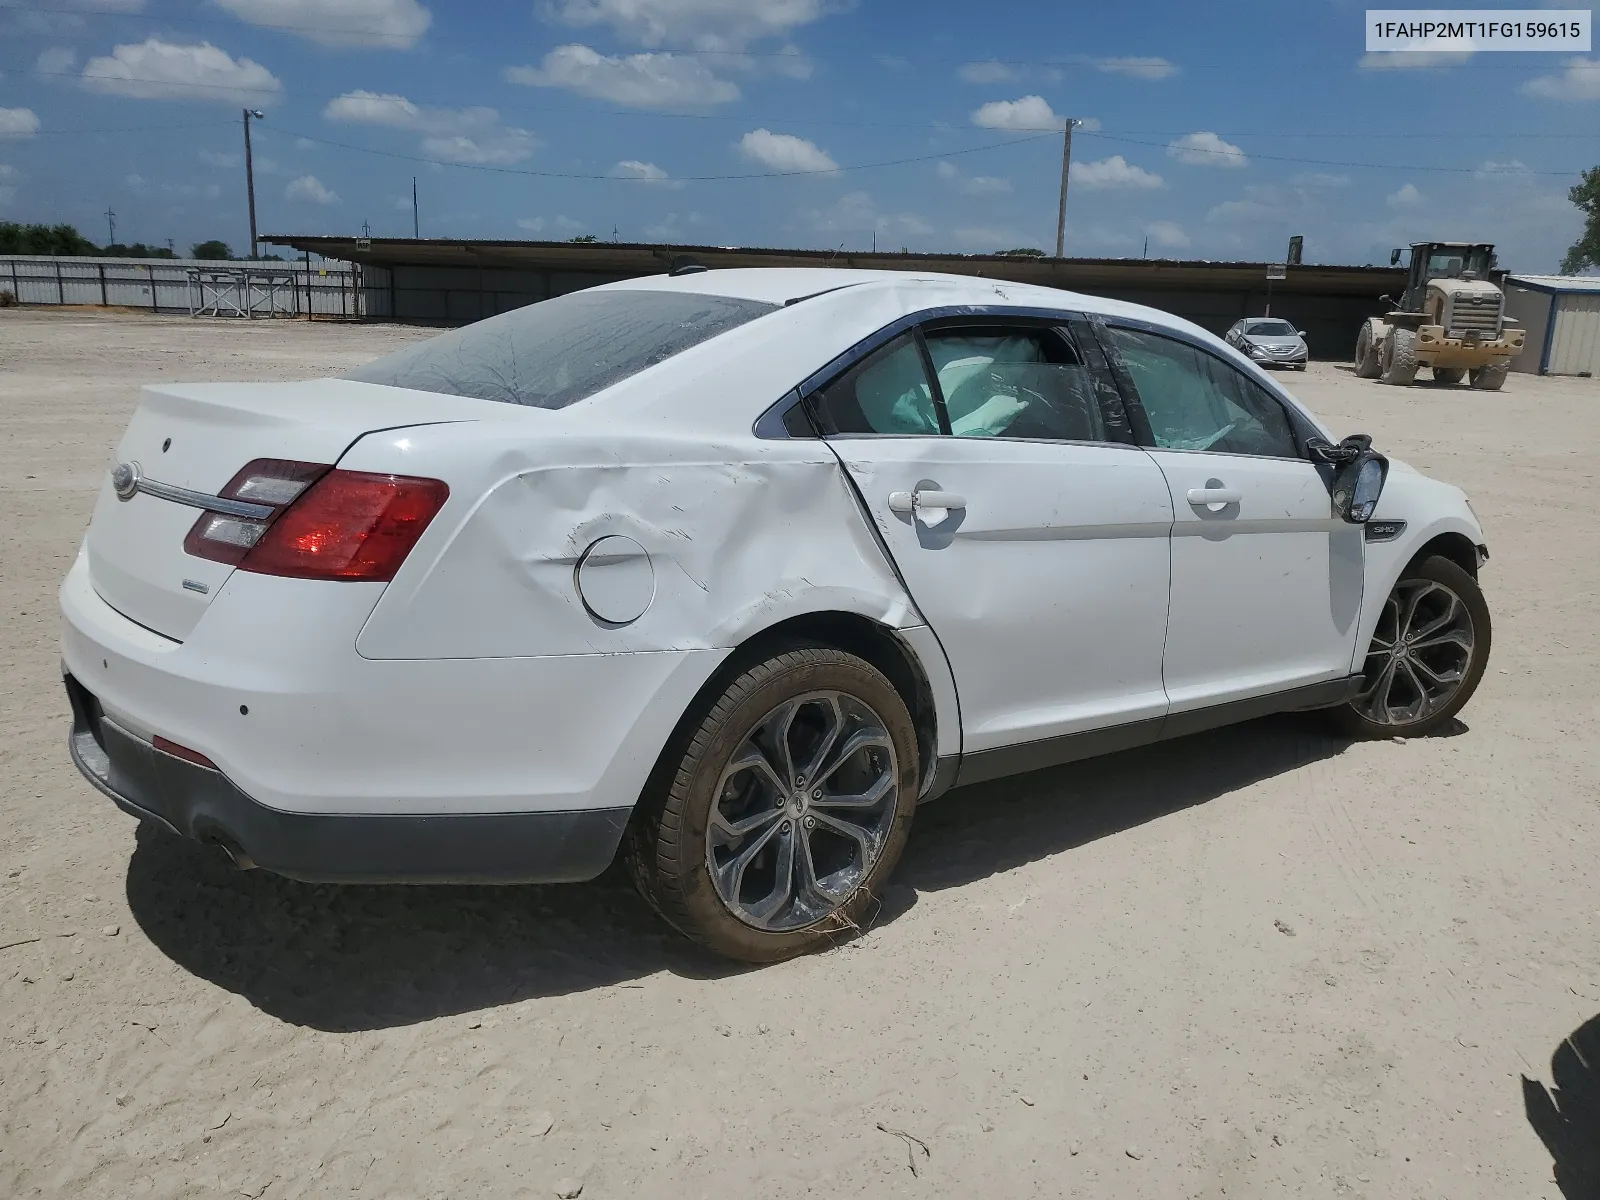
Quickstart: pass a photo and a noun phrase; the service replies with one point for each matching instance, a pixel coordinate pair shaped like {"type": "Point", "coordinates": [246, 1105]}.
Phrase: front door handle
{"type": "Point", "coordinates": [929, 507]}
{"type": "Point", "coordinates": [1214, 495]}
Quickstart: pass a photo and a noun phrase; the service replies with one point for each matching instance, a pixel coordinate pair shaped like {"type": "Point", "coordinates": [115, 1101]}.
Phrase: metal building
{"type": "Point", "coordinates": [1562, 316]}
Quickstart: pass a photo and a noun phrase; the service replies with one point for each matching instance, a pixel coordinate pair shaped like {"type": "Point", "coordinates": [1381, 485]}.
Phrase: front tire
{"type": "Point", "coordinates": [1451, 375]}
{"type": "Point", "coordinates": [1367, 365]}
{"type": "Point", "coordinates": [788, 810]}
{"type": "Point", "coordinates": [1491, 378]}
{"type": "Point", "coordinates": [1427, 655]}
{"type": "Point", "coordinates": [1400, 357]}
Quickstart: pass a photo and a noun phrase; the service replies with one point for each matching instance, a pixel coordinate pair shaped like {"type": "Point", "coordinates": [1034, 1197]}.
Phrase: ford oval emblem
{"type": "Point", "coordinates": [125, 480]}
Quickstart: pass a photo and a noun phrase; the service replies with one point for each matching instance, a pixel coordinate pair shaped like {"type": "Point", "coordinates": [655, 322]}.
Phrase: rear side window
{"type": "Point", "coordinates": [886, 392]}
{"type": "Point", "coordinates": [556, 352]}
{"type": "Point", "coordinates": [1022, 383]}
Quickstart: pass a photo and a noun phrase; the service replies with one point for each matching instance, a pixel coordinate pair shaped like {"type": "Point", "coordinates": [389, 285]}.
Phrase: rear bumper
{"type": "Point", "coordinates": [204, 805]}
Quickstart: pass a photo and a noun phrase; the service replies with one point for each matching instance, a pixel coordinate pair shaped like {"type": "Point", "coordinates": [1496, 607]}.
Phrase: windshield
{"type": "Point", "coordinates": [556, 352]}
{"type": "Point", "coordinates": [1451, 262]}
{"type": "Point", "coordinates": [1270, 328]}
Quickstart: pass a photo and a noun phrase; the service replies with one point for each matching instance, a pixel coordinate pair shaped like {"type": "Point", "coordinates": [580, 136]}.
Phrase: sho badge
{"type": "Point", "coordinates": [125, 480]}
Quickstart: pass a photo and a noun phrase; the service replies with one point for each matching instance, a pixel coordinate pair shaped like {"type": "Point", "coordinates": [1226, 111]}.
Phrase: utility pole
{"type": "Point", "coordinates": [250, 173]}
{"type": "Point", "coordinates": [416, 224]}
{"type": "Point", "coordinates": [111, 225]}
{"type": "Point", "coordinates": [1066, 165]}
{"type": "Point", "coordinates": [1066, 162]}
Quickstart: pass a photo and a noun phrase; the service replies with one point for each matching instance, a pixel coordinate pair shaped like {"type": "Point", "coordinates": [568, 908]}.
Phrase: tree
{"type": "Point", "coordinates": [1021, 252]}
{"type": "Point", "coordinates": [1585, 252]}
{"type": "Point", "coordinates": [42, 239]}
{"type": "Point", "coordinates": [212, 250]}
{"type": "Point", "coordinates": [585, 237]}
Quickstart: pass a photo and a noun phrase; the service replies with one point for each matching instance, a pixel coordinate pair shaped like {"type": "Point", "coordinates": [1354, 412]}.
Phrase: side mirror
{"type": "Point", "coordinates": [1358, 485]}
{"type": "Point", "coordinates": [1394, 258]}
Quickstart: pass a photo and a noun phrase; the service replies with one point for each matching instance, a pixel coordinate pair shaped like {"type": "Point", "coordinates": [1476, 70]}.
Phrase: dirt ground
{"type": "Point", "coordinates": [1256, 963]}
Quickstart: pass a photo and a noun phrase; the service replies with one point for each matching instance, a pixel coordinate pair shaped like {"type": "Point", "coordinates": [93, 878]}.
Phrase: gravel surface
{"type": "Point", "coordinates": [1260, 962]}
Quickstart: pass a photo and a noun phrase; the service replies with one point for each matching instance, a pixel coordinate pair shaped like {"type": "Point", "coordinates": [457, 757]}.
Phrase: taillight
{"type": "Point", "coordinates": [323, 524]}
{"type": "Point", "coordinates": [273, 483]}
{"type": "Point", "coordinates": [167, 746]}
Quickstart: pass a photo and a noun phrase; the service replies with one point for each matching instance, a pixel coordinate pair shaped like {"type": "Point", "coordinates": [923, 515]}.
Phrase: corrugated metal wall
{"type": "Point", "coordinates": [164, 284]}
{"type": "Point", "coordinates": [1532, 309]}
{"type": "Point", "coordinates": [1575, 345]}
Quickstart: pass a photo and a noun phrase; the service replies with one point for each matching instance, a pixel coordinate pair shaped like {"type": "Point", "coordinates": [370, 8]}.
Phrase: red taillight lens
{"type": "Point", "coordinates": [348, 525]}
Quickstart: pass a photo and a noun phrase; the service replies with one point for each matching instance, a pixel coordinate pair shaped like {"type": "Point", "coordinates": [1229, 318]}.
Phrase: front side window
{"type": "Point", "coordinates": [1197, 402]}
{"type": "Point", "coordinates": [886, 392]}
{"type": "Point", "coordinates": [1014, 383]}
{"type": "Point", "coordinates": [556, 352]}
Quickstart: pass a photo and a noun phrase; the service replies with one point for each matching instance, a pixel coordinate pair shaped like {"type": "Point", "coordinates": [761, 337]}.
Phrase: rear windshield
{"type": "Point", "coordinates": [556, 352]}
{"type": "Point", "coordinates": [1271, 328]}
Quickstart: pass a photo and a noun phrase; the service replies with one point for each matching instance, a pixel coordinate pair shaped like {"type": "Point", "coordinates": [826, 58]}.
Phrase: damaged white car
{"type": "Point", "coordinates": [726, 572]}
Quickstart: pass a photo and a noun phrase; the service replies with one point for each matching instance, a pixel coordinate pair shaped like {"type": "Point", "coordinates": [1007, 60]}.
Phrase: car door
{"type": "Point", "coordinates": [1032, 540]}
{"type": "Point", "coordinates": [1266, 579]}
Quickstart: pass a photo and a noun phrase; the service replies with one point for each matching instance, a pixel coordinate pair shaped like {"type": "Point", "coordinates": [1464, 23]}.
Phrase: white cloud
{"type": "Point", "coordinates": [394, 24]}
{"type": "Point", "coordinates": [1028, 113]}
{"type": "Point", "coordinates": [18, 122]}
{"type": "Point", "coordinates": [699, 24]}
{"type": "Point", "coordinates": [984, 239]}
{"type": "Point", "coordinates": [1513, 169]}
{"type": "Point", "coordinates": [310, 188]}
{"type": "Point", "coordinates": [56, 61]}
{"type": "Point", "coordinates": [988, 71]}
{"type": "Point", "coordinates": [1406, 197]}
{"type": "Point", "coordinates": [1206, 149]}
{"type": "Point", "coordinates": [785, 152]}
{"type": "Point", "coordinates": [1115, 172]}
{"type": "Point", "coordinates": [855, 213]}
{"type": "Point", "coordinates": [644, 172]}
{"type": "Point", "coordinates": [214, 158]}
{"type": "Point", "coordinates": [135, 183]}
{"type": "Point", "coordinates": [1167, 234]}
{"type": "Point", "coordinates": [158, 70]}
{"type": "Point", "coordinates": [971, 185]}
{"type": "Point", "coordinates": [457, 135]}
{"type": "Point", "coordinates": [1320, 179]}
{"type": "Point", "coordinates": [670, 228]}
{"type": "Point", "coordinates": [1412, 60]}
{"type": "Point", "coordinates": [1138, 68]}
{"type": "Point", "coordinates": [637, 80]}
{"type": "Point", "coordinates": [1580, 81]}
{"type": "Point", "coordinates": [62, 18]}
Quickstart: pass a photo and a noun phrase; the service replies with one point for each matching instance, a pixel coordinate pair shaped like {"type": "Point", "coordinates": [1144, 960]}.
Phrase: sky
{"type": "Point", "coordinates": [1208, 130]}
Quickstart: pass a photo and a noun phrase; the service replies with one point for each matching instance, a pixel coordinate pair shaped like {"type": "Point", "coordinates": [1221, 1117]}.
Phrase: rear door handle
{"type": "Point", "coordinates": [929, 507]}
{"type": "Point", "coordinates": [1214, 495]}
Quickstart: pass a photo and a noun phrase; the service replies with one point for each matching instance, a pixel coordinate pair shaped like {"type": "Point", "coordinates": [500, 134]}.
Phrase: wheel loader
{"type": "Point", "coordinates": [1450, 319]}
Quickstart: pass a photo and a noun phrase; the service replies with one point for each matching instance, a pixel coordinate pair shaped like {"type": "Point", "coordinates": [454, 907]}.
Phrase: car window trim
{"type": "Point", "coordinates": [1299, 426]}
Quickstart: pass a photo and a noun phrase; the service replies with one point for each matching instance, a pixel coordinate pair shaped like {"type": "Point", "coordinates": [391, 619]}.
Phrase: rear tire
{"type": "Point", "coordinates": [1491, 378]}
{"type": "Point", "coordinates": [1451, 375]}
{"type": "Point", "coordinates": [761, 873]}
{"type": "Point", "coordinates": [1400, 357]}
{"type": "Point", "coordinates": [1367, 366]}
{"type": "Point", "coordinates": [1427, 656]}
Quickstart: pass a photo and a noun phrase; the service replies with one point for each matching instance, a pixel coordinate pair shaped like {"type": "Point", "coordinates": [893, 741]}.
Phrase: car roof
{"type": "Point", "coordinates": [791, 285]}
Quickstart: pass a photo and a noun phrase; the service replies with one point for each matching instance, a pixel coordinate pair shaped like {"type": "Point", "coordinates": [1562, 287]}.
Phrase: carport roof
{"type": "Point", "coordinates": [639, 258]}
{"type": "Point", "coordinates": [1557, 283]}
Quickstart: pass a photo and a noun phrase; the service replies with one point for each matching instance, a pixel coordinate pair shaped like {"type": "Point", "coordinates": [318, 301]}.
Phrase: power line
{"type": "Point", "coordinates": [1321, 162]}
{"type": "Point", "coordinates": [135, 128]}
{"type": "Point", "coordinates": [501, 170]}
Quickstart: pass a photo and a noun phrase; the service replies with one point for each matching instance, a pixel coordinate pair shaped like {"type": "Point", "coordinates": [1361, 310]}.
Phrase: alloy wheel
{"type": "Point", "coordinates": [1420, 655]}
{"type": "Point", "coordinates": [802, 811]}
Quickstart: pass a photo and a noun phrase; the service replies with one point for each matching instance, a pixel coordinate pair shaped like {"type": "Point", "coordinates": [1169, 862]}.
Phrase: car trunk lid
{"type": "Point", "coordinates": [196, 437]}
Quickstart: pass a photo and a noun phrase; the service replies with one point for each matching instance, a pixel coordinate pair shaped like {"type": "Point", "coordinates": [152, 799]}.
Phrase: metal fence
{"type": "Point", "coordinates": [196, 287]}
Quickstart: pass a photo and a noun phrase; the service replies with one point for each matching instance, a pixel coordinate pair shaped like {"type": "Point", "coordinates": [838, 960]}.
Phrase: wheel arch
{"type": "Point", "coordinates": [1453, 545]}
{"type": "Point", "coordinates": [912, 663]}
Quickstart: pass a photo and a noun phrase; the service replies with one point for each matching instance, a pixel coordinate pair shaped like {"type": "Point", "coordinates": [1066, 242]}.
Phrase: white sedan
{"type": "Point", "coordinates": [727, 572]}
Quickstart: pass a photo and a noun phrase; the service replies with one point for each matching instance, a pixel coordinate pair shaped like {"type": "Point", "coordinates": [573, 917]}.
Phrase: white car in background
{"type": "Point", "coordinates": [728, 571]}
